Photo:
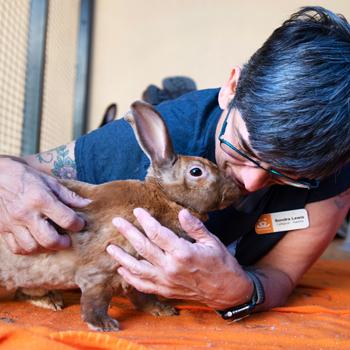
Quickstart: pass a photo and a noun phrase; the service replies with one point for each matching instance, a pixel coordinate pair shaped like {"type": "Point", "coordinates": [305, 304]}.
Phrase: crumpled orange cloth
{"type": "Point", "coordinates": [316, 316]}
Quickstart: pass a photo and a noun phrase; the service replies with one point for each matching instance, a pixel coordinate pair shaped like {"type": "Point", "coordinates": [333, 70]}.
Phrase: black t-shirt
{"type": "Point", "coordinates": [112, 153]}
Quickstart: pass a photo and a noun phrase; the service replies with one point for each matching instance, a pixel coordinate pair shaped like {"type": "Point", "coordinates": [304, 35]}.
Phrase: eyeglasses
{"type": "Point", "coordinates": [302, 183]}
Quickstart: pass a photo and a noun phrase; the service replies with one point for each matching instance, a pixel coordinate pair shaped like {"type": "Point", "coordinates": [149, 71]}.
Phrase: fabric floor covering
{"type": "Point", "coordinates": [316, 316]}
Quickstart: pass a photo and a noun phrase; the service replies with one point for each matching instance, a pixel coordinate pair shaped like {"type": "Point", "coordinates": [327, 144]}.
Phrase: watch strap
{"type": "Point", "coordinates": [238, 312]}
{"type": "Point", "coordinates": [259, 292]}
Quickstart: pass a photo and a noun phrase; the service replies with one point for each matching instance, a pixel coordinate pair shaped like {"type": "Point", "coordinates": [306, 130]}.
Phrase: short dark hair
{"type": "Point", "coordinates": [294, 94]}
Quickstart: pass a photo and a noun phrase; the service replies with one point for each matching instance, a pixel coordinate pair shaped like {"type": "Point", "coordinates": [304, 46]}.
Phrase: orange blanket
{"type": "Point", "coordinates": [317, 316]}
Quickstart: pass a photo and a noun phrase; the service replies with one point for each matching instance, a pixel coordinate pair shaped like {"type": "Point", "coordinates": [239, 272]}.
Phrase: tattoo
{"type": "Point", "coordinates": [342, 200]}
{"type": "Point", "coordinates": [41, 159]}
{"type": "Point", "coordinates": [63, 166]}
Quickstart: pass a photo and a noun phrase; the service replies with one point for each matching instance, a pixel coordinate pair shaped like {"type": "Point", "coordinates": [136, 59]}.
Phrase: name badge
{"type": "Point", "coordinates": [282, 221]}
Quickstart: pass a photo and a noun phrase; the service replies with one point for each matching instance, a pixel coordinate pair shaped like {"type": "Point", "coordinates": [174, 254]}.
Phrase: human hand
{"type": "Point", "coordinates": [175, 268]}
{"type": "Point", "coordinates": [29, 199]}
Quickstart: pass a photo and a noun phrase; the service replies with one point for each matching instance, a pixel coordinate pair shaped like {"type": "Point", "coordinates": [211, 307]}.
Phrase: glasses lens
{"type": "Point", "coordinates": [278, 177]}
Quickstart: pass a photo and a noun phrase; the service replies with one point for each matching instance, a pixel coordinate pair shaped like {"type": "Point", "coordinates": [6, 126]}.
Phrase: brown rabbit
{"type": "Point", "coordinates": [172, 183]}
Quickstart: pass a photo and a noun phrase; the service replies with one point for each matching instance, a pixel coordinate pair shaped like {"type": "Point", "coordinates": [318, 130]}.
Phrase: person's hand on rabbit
{"type": "Point", "coordinates": [176, 268]}
{"type": "Point", "coordinates": [31, 203]}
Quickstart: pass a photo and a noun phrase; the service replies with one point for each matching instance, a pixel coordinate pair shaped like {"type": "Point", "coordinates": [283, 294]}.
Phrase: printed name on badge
{"type": "Point", "coordinates": [282, 221]}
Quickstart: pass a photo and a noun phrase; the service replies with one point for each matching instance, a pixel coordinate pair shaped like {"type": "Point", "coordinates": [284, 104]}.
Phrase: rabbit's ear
{"type": "Point", "coordinates": [110, 114]}
{"type": "Point", "coordinates": [152, 134]}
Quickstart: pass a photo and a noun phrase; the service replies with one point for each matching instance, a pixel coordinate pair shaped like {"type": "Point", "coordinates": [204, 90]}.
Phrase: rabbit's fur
{"type": "Point", "coordinates": [169, 187]}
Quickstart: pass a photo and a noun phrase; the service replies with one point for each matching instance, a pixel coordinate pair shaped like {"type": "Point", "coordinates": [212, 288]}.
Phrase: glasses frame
{"type": "Point", "coordinates": [303, 183]}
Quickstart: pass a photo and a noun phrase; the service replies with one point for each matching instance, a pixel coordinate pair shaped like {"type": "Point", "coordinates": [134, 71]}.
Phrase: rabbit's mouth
{"type": "Point", "coordinates": [231, 177]}
{"type": "Point", "coordinates": [230, 195]}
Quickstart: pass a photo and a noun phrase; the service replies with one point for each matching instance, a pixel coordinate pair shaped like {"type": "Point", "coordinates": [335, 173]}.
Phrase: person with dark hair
{"type": "Point", "coordinates": [279, 128]}
{"type": "Point", "coordinates": [293, 95]}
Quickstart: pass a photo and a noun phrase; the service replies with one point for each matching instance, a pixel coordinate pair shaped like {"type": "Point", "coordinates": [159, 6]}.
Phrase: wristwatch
{"type": "Point", "coordinates": [236, 313]}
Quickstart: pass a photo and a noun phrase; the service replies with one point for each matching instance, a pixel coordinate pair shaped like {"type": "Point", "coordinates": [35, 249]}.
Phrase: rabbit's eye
{"type": "Point", "coordinates": [196, 172]}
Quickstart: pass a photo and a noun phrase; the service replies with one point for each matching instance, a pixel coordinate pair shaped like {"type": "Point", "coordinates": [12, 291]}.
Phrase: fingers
{"type": "Point", "coordinates": [24, 239]}
{"type": "Point", "coordinates": [140, 273]}
{"type": "Point", "coordinates": [58, 212]}
{"type": "Point", "coordinates": [65, 195]}
{"type": "Point", "coordinates": [160, 235]}
{"type": "Point", "coordinates": [62, 215]}
{"type": "Point", "coordinates": [145, 286]}
{"type": "Point", "coordinates": [136, 267]}
{"type": "Point", "coordinates": [46, 235]}
{"type": "Point", "coordinates": [27, 197]}
{"type": "Point", "coordinates": [12, 243]}
{"type": "Point", "coordinates": [137, 239]}
{"type": "Point", "coordinates": [194, 227]}
{"type": "Point", "coordinates": [149, 286]}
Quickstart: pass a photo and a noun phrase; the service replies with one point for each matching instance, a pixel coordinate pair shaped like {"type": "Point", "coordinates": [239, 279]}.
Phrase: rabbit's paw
{"type": "Point", "coordinates": [150, 303]}
{"type": "Point", "coordinates": [51, 300]}
{"type": "Point", "coordinates": [103, 324]}
{"type": "Point", "coordinates": [159, 308]}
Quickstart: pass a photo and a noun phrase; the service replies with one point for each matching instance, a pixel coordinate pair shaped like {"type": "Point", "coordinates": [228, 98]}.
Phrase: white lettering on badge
{"type": "Point", "coordinates": [282, 221]}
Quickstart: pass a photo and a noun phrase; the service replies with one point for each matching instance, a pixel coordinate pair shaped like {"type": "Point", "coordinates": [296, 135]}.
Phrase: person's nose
{"type": "Point", "coordinates": [254, 178]}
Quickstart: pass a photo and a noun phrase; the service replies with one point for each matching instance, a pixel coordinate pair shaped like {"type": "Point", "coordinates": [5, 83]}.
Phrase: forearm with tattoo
{"type": "Point", "coordinates": [59, 161]}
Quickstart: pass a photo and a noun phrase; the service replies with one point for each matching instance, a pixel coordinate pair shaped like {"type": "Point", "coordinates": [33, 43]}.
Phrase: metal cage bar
{"type": "Point", "coordinates": [34, 77]}
{"type": "Point", "coordinates": [83, 68]}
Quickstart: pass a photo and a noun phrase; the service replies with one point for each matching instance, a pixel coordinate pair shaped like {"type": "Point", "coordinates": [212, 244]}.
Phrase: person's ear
{"type": "Point", "coordinates": [228, 90]}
